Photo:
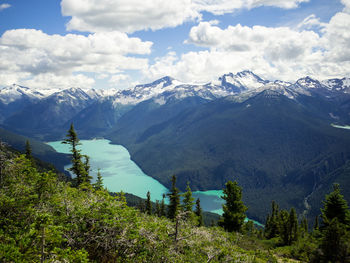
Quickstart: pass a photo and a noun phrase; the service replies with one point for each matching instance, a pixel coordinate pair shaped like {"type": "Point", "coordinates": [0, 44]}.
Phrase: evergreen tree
{"type": "Point", "coordinates": [141, 206]}
{"type": "Point", "coordinates": [248, 228]}
{"type": "Point", "coordinates": [316, 224]}
{"type": "Point", "coordinates": [78, 167]}
{"type": "Point", "coordinates": [234, 209]}
{"type": "Point", "coordinates": [188, 202]}
{"type": "Point", "coordinates": [174, 199]}
{"type": "Point", "coordinates": [271, 226]}
{"type": "Point", "coordinates": [304, 226]}
{"type": "Point", "coordinates": [148, 204]}
{"type": "Point", "coordinates": [335, 206]}
{"type": "Point", "coordinates": [288, 226]}
{"type": "Point", "coordinates": [28, 151]}
{"type": "Point", "coordinates": [199, 213]}
{"type": "Point", "coordinates": [98, 185]}
{"type": "Point", "coordinates": [86, 178]}
{"type": "Point", "coordinates": [157, 212]}
{"type": "Point", "coordinates": [293, 226]}
{"type": "Point", "coordinates": [335, 242]}
{"type": "Point", "coordinates": [283, 227]}
{"type": "Point", "coordinates": [162, 207]}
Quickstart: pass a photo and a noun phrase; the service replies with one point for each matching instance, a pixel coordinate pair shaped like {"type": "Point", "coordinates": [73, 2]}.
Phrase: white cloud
{"type": "Point", "coordinates": [311, 22]}
{"type": "Point", "coordinates": [118, 79]}
{"type": "Point", "coordinates": [34, 54]}
{"type": "Point", "coordinates": [337, 38]}
{"type": "Point", "coordinates": [126, 16]}
{"type": "Point", "coordinates": [50, 80]}
{"type": "Point", "coordinates": [219, 7]}
{"type": "Point", "coordinates": [134, 15]}
{"type": "Point", "coordinates": [4, 6]}
{"type": "Point", "coordinates": [279, 52]}
{"type": "Point", "coordinates": [346, 4]}
{"type": "Point", "coordinates": [102, 76]}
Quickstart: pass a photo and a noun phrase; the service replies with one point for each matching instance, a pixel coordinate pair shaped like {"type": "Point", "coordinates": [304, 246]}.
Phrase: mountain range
{"type": "Point", "coordinates": [275, 138]}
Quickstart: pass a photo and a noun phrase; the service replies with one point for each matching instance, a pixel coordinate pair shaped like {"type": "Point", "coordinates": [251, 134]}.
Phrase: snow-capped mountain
{"type": "Point", "coordinates": [242, 81]}
{"type": "Point", "coordinates": [16, 92]}
{"type": "Point", "coordinates": [72, 96]}
{"type": "Point", "coordinates": [338, 84]}
{"type": "Point", "coordinates": [168, 88]}
{"type": "Point", "coordinates": [308, 83]}
{"type": "Point", "coordinates": [242, 84]}
{"type": "Point", "coordinates": [29, 109]}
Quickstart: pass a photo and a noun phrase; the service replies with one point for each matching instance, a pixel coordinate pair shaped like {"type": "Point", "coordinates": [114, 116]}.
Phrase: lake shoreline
{"type": "Point", "coordinates": [121, 173]}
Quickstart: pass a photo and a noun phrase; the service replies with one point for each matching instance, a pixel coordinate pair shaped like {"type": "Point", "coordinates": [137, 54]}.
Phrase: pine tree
{"type": "Point", "coordinates": [283, 227]}
{"type": "Point", "coordinates": [335, 206]}
{"type": "Point", "coordinates": [335, 242]}
{"type": "Point", "coordinates": [293, 226]}
{"type": "Point", "coordinates": [271, 227]}
{"type": "Point", "coordinates": [336, 221]}
{"type": "Point", "coordinates": [141, 206]}
{"type": "Point", "coordinates": [304, 225]}
{"type": "Point", "coordinates": [174, 200]}
{"type": "Point", "coordinates": [188, 202]}
{"type": "Point", "coordinates": [162, 207]}
{"type": "Point", "coordinates": [148, 204]}
{"type": "Point", "coordinates": [199, 213]}
{"type": "Point", "coordinates": [157, 212]}
{"type": "Point", "coordinates": [234, 209]}
{"type": "Point", "coordinates": [316, 224]}
{"type": "Point", "coordinates": [98, 185]}
{"type": "Point", "coordinates": [78, 167]}
{"type": "Point", "coordinates": [28, 151]}
{"type": "Point", "coordinates": [86, 178]}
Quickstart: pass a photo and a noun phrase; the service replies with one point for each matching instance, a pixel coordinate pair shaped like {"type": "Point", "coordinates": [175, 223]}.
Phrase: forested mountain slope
{"type": "Point", "coordinates": [277, 148]}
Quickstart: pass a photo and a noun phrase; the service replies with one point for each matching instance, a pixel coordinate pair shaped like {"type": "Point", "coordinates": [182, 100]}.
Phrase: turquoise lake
{"type": "Point", "coordinates": [120, 173]}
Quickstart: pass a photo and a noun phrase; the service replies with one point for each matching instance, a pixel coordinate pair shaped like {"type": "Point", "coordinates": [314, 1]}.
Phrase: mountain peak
{"type": "Point", "coordinates": [246, 73]}
{"type": "Point", "coordinates": [242, 81]}
{"type": "Point", "coordinates": [308, 83]}
{"type": "Point", "coordinates": [164, 82]}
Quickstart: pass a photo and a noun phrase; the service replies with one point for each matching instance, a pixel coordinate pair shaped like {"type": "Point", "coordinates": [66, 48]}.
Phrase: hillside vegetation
{"type": "Point", "coordinates": [43, 219]}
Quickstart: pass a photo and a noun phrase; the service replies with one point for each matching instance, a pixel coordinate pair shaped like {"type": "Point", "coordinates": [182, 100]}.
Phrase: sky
{"type": "Point", "coordinates": [121, 43]}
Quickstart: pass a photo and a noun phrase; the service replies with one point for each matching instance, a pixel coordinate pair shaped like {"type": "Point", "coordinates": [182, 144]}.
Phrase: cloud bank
{"type": "Point", "coordinates": [272, 52]}
{"type": "Point", "coordinates": [34, 58]}
{"type": "Point", "coordinates": [55, 59]}
{"type": "Point", "coordinates": [133, 15]}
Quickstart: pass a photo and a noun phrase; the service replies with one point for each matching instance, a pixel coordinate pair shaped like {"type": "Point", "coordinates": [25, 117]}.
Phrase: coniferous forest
{"type": "Point", "coordinates": [45, 217]}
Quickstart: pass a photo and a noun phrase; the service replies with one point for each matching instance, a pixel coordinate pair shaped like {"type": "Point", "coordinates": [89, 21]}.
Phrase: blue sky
{"type": "Point", "coordinates": [117, 44]}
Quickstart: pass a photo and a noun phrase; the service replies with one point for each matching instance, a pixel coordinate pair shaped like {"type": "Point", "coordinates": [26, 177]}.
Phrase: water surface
{"type": "Point", "coordinates": [120, 173]}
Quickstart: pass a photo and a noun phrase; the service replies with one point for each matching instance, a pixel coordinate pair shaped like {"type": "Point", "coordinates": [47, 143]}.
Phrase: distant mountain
{"type": "Point", "coordinates": [16, 98]}
{"type": "Point", "coordinates": [242, 81]}
{"type": "Point", "coordinates": [46, 115]}
{"type": "Point", "coordinates": [269, 138]}
{"type": "Point", "coordinates": [97, 118]}
{"type": "Point", "coordinates": [40, 150]}
{"type": "Point", "coordinates": [274, 137]}
{"type": "Point", "coordinates": [45, 118]}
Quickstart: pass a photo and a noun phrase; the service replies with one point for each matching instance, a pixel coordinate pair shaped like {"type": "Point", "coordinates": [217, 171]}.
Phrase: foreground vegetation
{"type": "Point", "coordinates": [44, 219]}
